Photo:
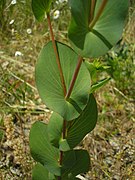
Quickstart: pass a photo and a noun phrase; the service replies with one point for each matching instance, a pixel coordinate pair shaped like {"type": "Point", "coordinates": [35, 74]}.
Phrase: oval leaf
{"type": "Point", "coordinates": [39, 7]}
{"type": "Point", "coordinates": [49, 84]}
{"type": "Point", "coordinates": [41, 149]}
{"type": "Point", "coordinates": [85, 123]}
{"type": "Point", "coordinates": [74, 163]}
{"type": "Point", "coordinates": [95, 41]}
{"type": "Point", "coordinates": [40, 172]}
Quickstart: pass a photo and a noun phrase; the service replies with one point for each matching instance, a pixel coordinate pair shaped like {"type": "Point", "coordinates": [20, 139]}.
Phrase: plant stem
{"type": "Point", "coordinates": [63, 136]}
{"type": "Point", "coordinates": [66, 94]}
{"type": "Point", "coordinates": [92, 9]}
{"type": "Point", "coordinates": [57, 55]}
{"type": "Point", "coordinates": [61, 77]}
{"type": "Point", "coordinates": [80, 59]}
{"type": "Point", "coordinates": [101, 8]}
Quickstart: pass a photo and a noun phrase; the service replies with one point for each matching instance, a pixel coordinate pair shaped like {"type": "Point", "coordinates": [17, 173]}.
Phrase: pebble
{"type": "Point", "coordinates": [14, 171]}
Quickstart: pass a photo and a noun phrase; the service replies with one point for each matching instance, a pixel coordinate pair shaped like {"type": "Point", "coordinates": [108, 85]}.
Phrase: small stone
{"type": "Point", "coordinates": [108, 160]}
{"type": "Point", "coordinates": [116, 177]}
{"type": "Point", "coordinates": [8, 143]}
{"type": "Point", "coordinates": [13, 170]}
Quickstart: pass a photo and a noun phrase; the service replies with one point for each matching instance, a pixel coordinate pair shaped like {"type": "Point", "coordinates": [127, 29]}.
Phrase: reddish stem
{"type": "Point", "coordinates": [66, 94]}
{"type": "Point", "coordinates": [101, 8]}
{"type": "Point", "coordinates": [92, 9]}
{"type": "Point", "coordinates": [80, 59]}
{"type": "Point", "coordinates": [61, 77]}
{"type": "Point", "coordinates": [57, 55]}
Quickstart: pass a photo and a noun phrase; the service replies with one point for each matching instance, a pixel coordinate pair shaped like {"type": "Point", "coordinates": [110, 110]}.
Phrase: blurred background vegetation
{"type": "Point", "coordinates": [111, 144]}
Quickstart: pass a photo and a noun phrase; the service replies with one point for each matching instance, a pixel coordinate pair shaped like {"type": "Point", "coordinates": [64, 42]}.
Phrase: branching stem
{"type": "Point", "coordinates": [101, 8]}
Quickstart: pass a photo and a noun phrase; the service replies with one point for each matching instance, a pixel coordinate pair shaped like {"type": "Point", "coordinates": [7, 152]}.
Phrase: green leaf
{"type": "Point", "coordinates": [63, 145]}
{"type": "Point", "coordinates": [85, 123]}
{"type": "Point", "coordinates": [74, 163]}
{"type": "Point", "coordinates": [76, 129]}
{"type": "Point", "coordinates": [104, 34]}
{"type": "Point", "coordinates": [39, 172]}
{"type": "Point", "coordinates": [41, 149]}
{"type": "Point", "coordinates": [92, 69]}
{"type": "Point", "coordinates": [39, 8]}
{"type": "Point", "coordinates": [55, 129]}
{"type": "Point", "coordinates": [99, 84]}
{"type": "Point", "coordinates": [49, 84]}
{"type": "Point", "coordinates": [95, 67]}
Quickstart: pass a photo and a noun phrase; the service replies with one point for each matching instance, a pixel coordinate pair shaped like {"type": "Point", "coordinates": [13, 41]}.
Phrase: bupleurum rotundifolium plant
{"type": "Point", "coordinates": [63, 79]}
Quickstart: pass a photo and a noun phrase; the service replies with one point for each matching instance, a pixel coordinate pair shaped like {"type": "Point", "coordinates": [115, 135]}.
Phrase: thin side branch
{"type": "Point", "coordinates": [80, 59]}
{"type": "Point", "coordinates": [101, 8]}
{"type": "Point", "coordinates": [92, 9]}
{"type": "Point", "coordinates": [57, 55]}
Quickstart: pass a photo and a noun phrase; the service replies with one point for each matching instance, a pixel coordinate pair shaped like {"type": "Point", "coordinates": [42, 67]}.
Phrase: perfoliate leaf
{"type": "Point", "coordinates": [95, 41]}
{"type": "Point", "coordinates": [74, 163]}
{"type": "Point", "coordinates": [40, 7]}
{"type": "Point", "coordinates": [49, 84]}
{"type": "Point", "coordinates": [41, 149]}
{"type": "Point", "coordinates": [39, 172]}
{"type": "Point", "coordinates": [76, 129]}
{"type": "Point", "coordinates": [85, 123]}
